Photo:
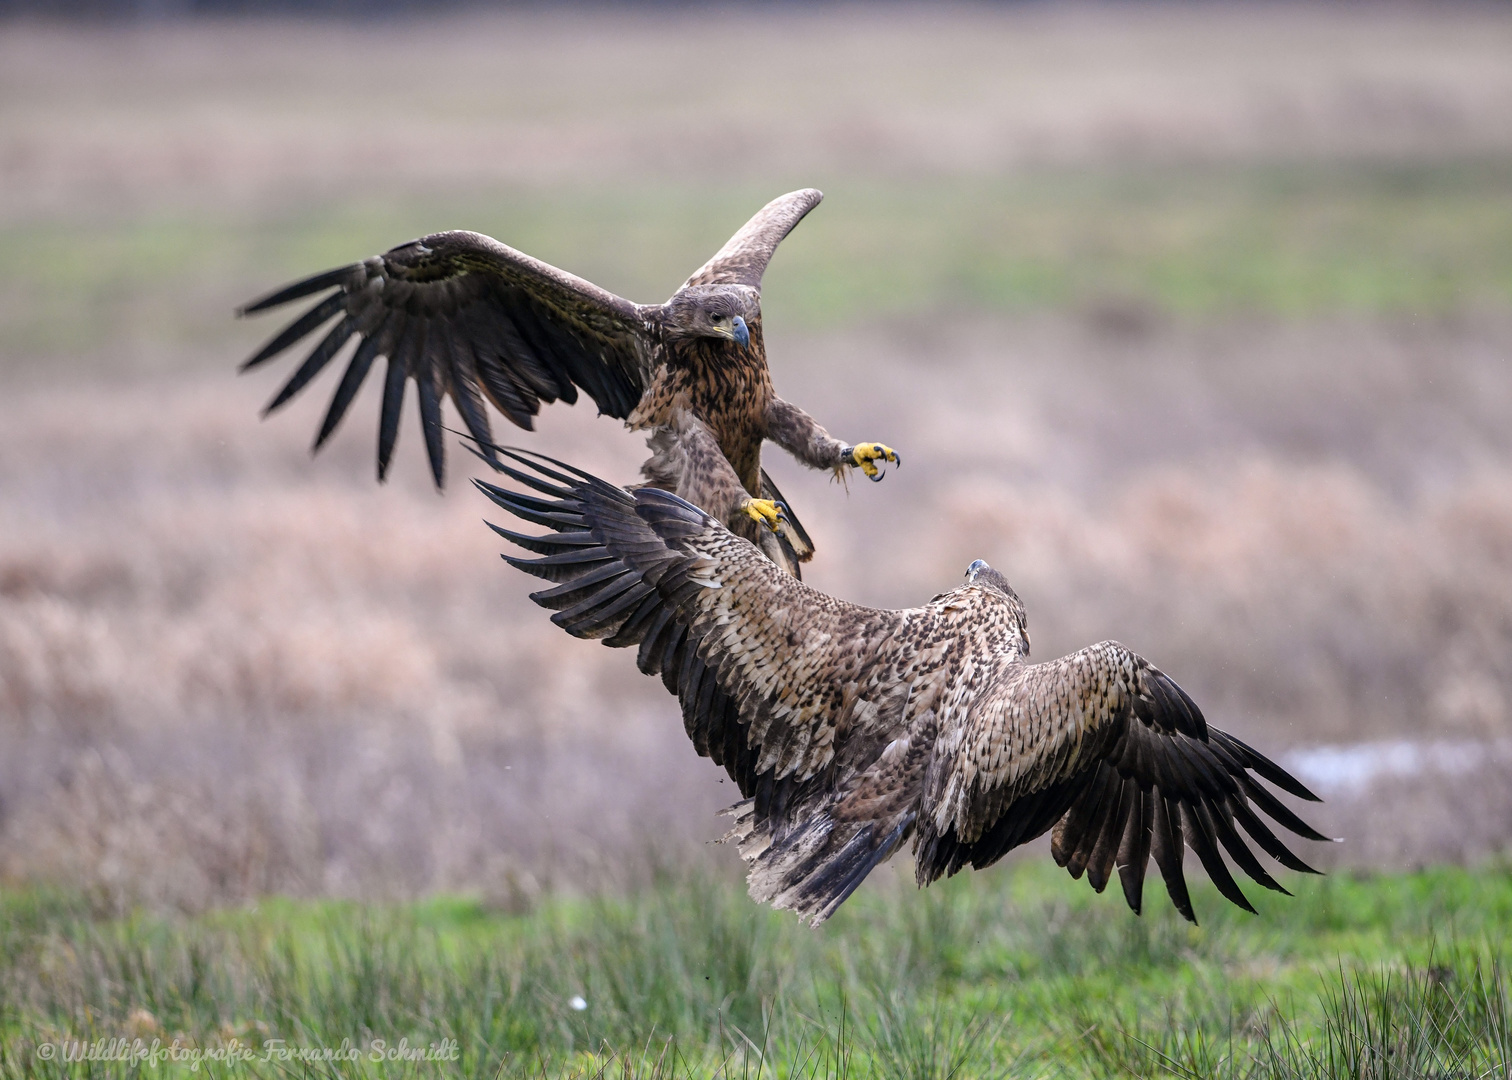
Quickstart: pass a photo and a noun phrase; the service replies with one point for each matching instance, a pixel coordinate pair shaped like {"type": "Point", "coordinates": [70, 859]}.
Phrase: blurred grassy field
{"type": "Point", "coordinates": [127, 294]}
{"type": "Point", "coordinates": [1196, 321]}
{"type": "Point", "coordinates": [1014, 974]}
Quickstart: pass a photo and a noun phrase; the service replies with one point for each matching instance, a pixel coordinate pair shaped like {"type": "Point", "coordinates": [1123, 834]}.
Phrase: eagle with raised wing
{"type": "Point", "coordinates": [851, 729]}
{"type": "Point", "coordinates": [460, 314]}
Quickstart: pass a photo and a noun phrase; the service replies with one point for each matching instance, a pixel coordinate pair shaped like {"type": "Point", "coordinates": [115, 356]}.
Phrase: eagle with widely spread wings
{"type": "Point", "coordinates": [463, 315]}
{"type": "Point", "coordinates": [849, 729]}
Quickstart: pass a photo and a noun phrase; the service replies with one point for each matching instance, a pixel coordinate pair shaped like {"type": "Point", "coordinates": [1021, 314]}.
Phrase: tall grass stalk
{"type": "Point", "coordinates": [1006, 974]}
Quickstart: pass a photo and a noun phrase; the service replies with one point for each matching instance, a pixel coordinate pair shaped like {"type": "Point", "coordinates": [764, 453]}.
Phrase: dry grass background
{"type": "Point", "coordinates": [228, 670]}
{"type": "Point", "coordinates": [583, 93]}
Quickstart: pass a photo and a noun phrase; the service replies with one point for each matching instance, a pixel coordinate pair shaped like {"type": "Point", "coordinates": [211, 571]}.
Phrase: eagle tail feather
{"type": "Point", "coordinates": [812, 868]}
{"type": "Point", "coordinates": [794, 537]}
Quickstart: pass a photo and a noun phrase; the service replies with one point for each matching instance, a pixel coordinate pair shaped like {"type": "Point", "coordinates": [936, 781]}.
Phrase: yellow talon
{"type": "Point", "coordinates": [866, 455]}
{"type": "Point", "coordinates": [766, 512]}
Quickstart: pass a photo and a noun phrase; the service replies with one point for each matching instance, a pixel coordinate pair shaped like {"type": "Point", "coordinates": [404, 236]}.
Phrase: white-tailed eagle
{"type": "Point", "coordinates": [852, 729]}
{"type": "Point", "coordinates": [460, 314]}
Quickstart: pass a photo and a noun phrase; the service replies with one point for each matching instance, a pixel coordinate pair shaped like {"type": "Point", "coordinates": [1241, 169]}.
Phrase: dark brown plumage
{"type": "Point", "coordinates": [464, 316]}
{"type": "Point", "coordinates": [850, 729]}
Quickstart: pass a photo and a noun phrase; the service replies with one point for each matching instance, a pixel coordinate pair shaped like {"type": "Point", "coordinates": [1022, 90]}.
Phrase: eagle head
{"type": "Point", "coordinates": [719, 311]}
{"type": "Point", "coordinates": [979, 573]}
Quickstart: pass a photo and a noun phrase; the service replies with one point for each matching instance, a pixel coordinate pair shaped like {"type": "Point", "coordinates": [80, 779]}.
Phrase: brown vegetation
{"type": "Point", "coordinates": [229, 669]}
{"type": "Point", "coordinates": [226, 669]}
{"type": "Point", "coordinates": [217, 111]}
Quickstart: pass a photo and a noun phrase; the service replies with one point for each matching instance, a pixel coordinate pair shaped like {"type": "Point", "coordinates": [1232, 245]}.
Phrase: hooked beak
{"type": "Point", "coordinates": [975, 568]}
{"type": "Point", "coordinates": [739, 332]}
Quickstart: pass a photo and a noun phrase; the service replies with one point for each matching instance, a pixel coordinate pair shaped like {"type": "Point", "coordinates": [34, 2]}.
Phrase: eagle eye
{"type": "Point", "coordinates": [717, 317]}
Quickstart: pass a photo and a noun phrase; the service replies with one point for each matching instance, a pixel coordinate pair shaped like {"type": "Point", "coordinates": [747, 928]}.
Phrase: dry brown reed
{"type": "Point", "coordinates": [226, 669]}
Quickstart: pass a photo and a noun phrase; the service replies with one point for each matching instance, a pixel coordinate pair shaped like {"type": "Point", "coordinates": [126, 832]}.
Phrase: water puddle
{"type": "Point", "coordinates": [1352, 768]}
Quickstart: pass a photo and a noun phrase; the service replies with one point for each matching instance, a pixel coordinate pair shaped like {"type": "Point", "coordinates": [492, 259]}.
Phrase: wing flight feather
{"type": "Point", "coordinates": [848, 728]}
{"type": "Point", "coordinates": [1113, 753]}
{"type": "Point", "coordinates": [743, 260]}
{"type": "Point", "coordinates": [466, 316]}
{"type": "Point", "coordinates": [751, 653]}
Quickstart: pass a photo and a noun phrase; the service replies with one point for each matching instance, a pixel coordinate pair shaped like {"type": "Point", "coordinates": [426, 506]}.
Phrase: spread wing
{"type": "Point", "coordinates": [745, 255]}
{"type": "Point", "coordinates": [461, 314]}
{"type": "Point", "coordinates": [766, 668]}
{"type": "Point", "coordinates": [1109, 750]}
{"type": "Point", "coordinates": [797, 694]}
{"type": "Point", "coordinates": [828, 714]}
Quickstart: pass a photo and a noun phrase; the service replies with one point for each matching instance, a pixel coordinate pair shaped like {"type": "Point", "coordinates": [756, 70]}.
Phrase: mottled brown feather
{"type": "Point", "coordinates": [469, 318]}
{"type": "Point", "coordinates": [744, 257]}
{"type": "Point", "coordinates": [851, 728]}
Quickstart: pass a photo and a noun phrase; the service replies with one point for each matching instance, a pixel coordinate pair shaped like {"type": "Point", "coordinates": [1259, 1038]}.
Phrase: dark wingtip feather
{"type": "Point", "coordinates": [298, 289]}
{"type": "Point", "coordinates": [535, 483]}
{"type": "Point", "coordinates": [1200, 836]}
{"type": "Point", "coordinates": [1166, 847]}
{"type": "Point", "coordinates": [1267, 768]}
{"type": "Point", "coordinates": [475, 416]}
{"type": "Point", "coordinates": [548, 544]}
{"type": "Point", "coordinates": [481, 449]}
{"type": "Point", "coordinates": [319, 357]}
{"type": "Point", "coordinates": [1134, 852]}
{"type": "Point", "coordinates": [388, 421]}
{"type": "Point", "coordinates": [1269, 842]}
{"type": "Point", "coordinates": [1277, 810]}
{"type": "Point", "coordinates": [432, 428]}
{"type": "Point", "coordinates": [534, 460]}
{"type": "Point", "coordinates": [351, 381]}
{"type": "Point", "coordinates": [542, 464]}
{"type": "Point", "coordinates": [297, 329]}
{"type": "Point", "coordinates": [1233, 843]}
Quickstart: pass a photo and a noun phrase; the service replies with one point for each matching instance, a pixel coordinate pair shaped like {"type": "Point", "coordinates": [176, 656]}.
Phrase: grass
{"type": "Point", "coordinates": [1019, 972]}
{"type": "Point", "coordinates": [1291, 241]}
